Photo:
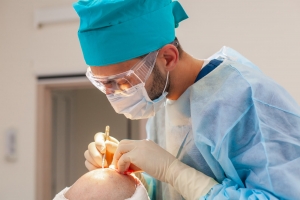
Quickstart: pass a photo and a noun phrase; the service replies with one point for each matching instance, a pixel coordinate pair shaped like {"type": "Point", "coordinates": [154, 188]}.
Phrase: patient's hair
{"type": "Point", "coordinates": [102, 184]}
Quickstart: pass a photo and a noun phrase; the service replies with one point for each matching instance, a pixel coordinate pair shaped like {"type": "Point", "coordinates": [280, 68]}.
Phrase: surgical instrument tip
{"type": "Point", "coordinates": [105, 138]}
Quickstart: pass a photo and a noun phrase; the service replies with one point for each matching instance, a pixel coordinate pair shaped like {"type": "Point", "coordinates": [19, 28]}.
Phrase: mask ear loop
{"type": "Point", "coordinates": [166, 83]}
{"type": "Point", "coordinates": [175, 43]}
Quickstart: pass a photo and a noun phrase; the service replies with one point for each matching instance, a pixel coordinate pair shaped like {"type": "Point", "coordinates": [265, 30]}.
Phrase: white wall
{"type": "Point", "coordinates": [22, 49]}
{"type": "Point", "coordinates": [17, 107]}
{"type": "Point", "coordinates": [267, 32]}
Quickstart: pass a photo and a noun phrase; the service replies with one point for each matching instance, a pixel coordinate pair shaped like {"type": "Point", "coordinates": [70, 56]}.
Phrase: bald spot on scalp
{"type": "Point", "coordinates": [102, 184]}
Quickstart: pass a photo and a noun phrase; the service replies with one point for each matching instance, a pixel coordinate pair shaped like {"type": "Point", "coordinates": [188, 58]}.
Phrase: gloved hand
{"type": "Point", "coordinates": [142, 155]}
{"type": "Point", "coordinates": [96, 150]}
{"type": "Point", "coordinates": [137, 155]}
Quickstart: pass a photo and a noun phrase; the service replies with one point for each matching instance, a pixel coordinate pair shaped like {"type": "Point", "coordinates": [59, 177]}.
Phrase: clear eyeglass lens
{"type": "Point", "coordinates": [124, 81]}
{"type": "Point", "coordinates": [115, 85]}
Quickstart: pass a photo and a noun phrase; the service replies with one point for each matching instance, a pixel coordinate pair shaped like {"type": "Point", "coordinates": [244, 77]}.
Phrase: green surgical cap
{"type": "Point", "coordinates": [113, 31]}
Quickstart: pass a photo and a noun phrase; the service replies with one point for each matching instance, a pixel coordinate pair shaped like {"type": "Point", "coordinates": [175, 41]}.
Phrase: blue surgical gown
{"type": "Point", "coordinates": [238, 126]}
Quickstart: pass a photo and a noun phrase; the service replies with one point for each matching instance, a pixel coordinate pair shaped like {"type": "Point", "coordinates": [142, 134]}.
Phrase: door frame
{"type": "Point", "coordinates": [44, 128]}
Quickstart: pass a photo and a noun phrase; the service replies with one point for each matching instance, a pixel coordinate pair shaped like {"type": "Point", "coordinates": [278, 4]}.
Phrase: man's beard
{"type": "Point", "coordinates": [159, 82]}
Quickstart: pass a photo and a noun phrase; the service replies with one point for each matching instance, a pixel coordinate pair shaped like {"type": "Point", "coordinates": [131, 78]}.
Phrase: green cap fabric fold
{"type": "Point", "coordinates": [113, 31]}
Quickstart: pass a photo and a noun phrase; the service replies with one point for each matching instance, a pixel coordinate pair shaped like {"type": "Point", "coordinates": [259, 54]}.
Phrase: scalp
{"type": "Point", "coordinates": [102, 184]}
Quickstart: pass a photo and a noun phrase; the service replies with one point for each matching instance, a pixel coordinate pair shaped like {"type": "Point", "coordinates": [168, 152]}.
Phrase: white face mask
{"type": "Point", "coordinates": [135, 102]}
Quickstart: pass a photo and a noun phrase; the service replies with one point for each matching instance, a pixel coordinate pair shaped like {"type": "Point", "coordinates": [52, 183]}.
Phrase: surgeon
{"type": "Point", "coordinates": [218, 128]}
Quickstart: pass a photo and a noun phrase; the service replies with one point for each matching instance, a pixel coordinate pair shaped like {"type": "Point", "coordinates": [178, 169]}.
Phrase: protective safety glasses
{"type": "Point", "coordinates": [119, 83]}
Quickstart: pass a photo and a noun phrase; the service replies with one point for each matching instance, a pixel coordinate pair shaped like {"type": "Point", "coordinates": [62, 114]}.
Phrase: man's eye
{"type": "Point", "coordinates": [107, 83]}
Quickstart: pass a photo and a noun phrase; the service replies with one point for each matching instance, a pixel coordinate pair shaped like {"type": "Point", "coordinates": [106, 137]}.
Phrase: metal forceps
{"type": "Point", "coordinates": [106, 138]}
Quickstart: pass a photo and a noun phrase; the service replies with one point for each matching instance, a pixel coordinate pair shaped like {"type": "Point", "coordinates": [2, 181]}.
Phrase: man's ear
{"type": "Point", "coordinates": [168, 56]}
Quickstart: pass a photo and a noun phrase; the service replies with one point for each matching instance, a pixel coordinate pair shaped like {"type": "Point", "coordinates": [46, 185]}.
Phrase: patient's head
{"type": "Point", "coordinates": [102, 184]}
